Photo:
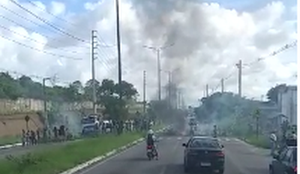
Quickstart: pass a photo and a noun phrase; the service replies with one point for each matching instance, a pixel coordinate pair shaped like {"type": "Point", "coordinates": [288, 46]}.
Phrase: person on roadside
{"type": "Point", "coordinates": [292, 139]}
{"type": "Point", "coordinates": [293, 135]}
{"type": "Point", "coordinates": [273, 141]}
{"type": "Point", "coordinates": [28, 140]}
{"type": "Point", "coordinates": [23, 137]}
{"type": "Point", "coordinates": [38, 135]}
{"type": "Point", "coordinates": [55, 133]}
{"type": "Point", "coordinates": [32, 137]}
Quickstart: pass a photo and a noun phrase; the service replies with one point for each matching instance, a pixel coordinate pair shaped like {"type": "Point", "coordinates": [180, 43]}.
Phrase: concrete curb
{"type": "Point", "coordinates": [10, 146]}
{"type": "Point", "coordinates": [7, 146]}
{"type": "Point", "coordinates": [107, 155]}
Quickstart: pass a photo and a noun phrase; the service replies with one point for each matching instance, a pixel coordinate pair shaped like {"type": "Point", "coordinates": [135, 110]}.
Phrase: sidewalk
{"type": "Point", "coordinates": [10, 146]}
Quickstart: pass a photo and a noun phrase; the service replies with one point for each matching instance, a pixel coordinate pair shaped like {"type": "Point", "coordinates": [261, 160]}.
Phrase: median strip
{"type": "Point", "coordinates": [79, 154]}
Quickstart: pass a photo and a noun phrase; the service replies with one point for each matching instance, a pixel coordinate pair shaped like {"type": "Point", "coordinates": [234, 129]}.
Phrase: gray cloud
{"type": "Point", "coordinates": [209, 40]}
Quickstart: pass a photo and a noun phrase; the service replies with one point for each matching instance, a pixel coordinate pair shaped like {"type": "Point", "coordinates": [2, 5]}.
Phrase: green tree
{"type": "Point", "coordinates": [107, 92]}
{"type": "Point", "coordinates": [9, 87]}
{"type": "Point", "coordinates": [88, 89]}
{"type": "Point", "coordinates": [272, 93]}
{"type": "Point", "coordinates": [108, 96]}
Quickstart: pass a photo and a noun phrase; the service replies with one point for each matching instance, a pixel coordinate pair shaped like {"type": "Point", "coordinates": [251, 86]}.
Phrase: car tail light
{"type": "Point", "coordinates": [220, 154]}
{"type": "Point", "coordinates": [149, 147]}
{"type": "Point", "coordinates": [295, 169]}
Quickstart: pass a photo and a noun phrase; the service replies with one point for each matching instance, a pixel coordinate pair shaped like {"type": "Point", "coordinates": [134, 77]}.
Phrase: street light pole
{"type": "Point", "coordinates": [158, 51]}
{"type": "Point", "coordinates": [169, 86]}
{"type": "Point", "coordinates": [158, 73]}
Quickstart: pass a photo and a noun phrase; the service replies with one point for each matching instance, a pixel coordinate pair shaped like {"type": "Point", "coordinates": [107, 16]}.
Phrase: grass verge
{"type": "Point", "coordinates": [58, 159]}
{"type": "Point", "coordinates": [9, 140]}
{"type": "Point", "coordinates": [158, 126]}
{"type": "Point", "coordinates": [260, 141]}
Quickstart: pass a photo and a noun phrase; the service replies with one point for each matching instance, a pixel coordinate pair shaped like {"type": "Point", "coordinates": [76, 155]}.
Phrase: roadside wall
{"type": "Point", "coordinates": [13, 112]}
{"type": "Point", "coordinates": [12, 125]}
{"type": "Point", "coordinates": [27, 105]}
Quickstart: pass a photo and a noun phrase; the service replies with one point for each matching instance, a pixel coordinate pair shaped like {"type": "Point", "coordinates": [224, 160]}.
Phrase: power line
{"type": "Point", "coordinates": [23, 26]}
{"type": "Point", "coordinates": [105, 45]}
{"type": "Point", "coordinates": [31, 76]}
{"type": "Point", "coordinates": [278, 51]}
{"type": "Point", "coordinates": [99, 38]}
{"type": "Point", "coordinates": [57, 17]}
{"type": "Point", "coordinates": [36, 41]}
{"type": "Point", "coordinates": [48, 23]}
{"type": "Point", "coordinates": [43, 51]}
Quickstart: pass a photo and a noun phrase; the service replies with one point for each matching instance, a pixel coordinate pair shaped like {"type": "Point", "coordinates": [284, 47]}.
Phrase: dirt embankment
{"type": "Point", "coordinates": [12, 125]}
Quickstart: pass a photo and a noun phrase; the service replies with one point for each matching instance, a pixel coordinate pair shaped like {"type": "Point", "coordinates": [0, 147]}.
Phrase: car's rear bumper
{"type": "Point", "coordinates": [217, 165]}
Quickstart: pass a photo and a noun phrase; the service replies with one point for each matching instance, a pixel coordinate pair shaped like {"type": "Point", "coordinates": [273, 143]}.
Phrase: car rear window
{"type": "Point", "coordinates": [204, 143]}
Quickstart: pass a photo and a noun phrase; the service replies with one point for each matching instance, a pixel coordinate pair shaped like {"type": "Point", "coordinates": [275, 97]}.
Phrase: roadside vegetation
{"type": "Point", "coordinates": [9, 140]}
{"type": "Point", "coordinates": [58, 159]}
{"type": "Point", "coordinates": [240, 117]}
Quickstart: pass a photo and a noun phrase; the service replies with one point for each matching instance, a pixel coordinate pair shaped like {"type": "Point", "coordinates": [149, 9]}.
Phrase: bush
{"type": "Point", "coordinates": [260, 141]}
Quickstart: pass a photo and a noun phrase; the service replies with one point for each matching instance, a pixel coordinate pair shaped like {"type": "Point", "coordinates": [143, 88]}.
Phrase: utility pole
{"type": "Point", "coordinates": [239, 66]}
{"type": "Point", "coordinates": [119, 48]}
{"type": "Point", "coordinates": [45, 102]}
{"type": "Point", "coordinates": [170, 87]}
{"type": "Point", "coordinates": [144, 92]}
{"type": "Point", "coordinates": [207, 94]}
{"type": "Point", "coordinates": [222, 85]}
{"type": "Point", "coordinates": [158, 73]}
{"type": "Point", "coordinates": [94, 47]}
{"type": "Point", "coordinates": [158, 50]}
{"type": "Point", "coordinates": [175, 99]}
{"type": "Point", "coordinates": [179, 99]}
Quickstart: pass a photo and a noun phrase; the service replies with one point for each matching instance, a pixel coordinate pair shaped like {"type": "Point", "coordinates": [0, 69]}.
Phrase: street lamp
{"type": "Point", "coordinates": [158, 50]}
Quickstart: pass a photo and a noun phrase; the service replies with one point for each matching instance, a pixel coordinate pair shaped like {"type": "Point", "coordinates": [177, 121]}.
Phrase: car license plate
{"type": "Point", "coordinates": [205, 164]}
{"type": "Point", "coordinates": [149, 150]}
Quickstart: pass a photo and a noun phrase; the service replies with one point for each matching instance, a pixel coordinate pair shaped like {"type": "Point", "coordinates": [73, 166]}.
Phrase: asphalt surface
{"type": "Point", "coordinates": [240, 158]}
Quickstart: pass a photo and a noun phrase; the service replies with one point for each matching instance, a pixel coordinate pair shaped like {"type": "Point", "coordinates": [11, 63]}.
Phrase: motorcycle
{"type": "Point", "coordinates": [151, 152]}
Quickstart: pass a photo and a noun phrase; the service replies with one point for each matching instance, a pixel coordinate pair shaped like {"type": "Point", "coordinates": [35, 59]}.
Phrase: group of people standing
{"type": "Point", "coordinates": [30, 137]}
{"type": "Point", "coordinates": [33, 137]}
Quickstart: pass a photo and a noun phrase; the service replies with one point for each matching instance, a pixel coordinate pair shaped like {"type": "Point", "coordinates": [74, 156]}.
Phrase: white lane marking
{"type": "Point", "coordinates": [179, 138]}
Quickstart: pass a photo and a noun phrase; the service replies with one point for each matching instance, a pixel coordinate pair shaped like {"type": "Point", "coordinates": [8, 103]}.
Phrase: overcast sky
{"type": "Point", "coordinates": [53, 38]}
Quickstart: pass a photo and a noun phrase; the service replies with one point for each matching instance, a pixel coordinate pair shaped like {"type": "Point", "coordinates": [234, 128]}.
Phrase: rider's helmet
{"type": "Point", "coordinates": [150, 132]}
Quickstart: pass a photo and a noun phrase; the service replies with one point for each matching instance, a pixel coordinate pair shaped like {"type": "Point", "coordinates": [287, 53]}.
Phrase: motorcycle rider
{"type": "Point", "coordinates": [151, 139]}
{"type": "Point", "coordinates": [215, 131]}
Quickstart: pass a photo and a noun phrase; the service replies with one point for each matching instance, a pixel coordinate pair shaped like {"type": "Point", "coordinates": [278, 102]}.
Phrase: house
{"type": "Point", "coordinates": [287, 103]}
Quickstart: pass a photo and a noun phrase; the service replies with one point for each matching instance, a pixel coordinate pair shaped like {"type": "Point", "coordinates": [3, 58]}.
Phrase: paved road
{"type": "Point", "coordinates": [240, 159]}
